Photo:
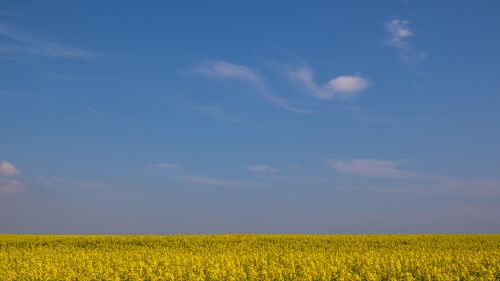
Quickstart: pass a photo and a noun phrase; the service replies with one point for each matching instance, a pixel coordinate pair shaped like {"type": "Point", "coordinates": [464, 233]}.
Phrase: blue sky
{"type": "Point", "coordinates": [262, 117]}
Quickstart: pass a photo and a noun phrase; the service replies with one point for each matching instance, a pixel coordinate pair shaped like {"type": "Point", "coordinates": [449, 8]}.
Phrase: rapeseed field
{"type": "Point", "coordinates": [250, 257]}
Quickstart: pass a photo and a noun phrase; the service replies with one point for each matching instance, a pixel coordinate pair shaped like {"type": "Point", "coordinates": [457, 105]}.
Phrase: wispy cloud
{"type": "Point", "coordinates": [339, 87]}
{"type": "Point", "coordinates": [62, 76]}
{"type": "Point", "coordinates": [399, 34]}
{"type": "Point", "coordinates": [8, 169]}
{"type": "Point", "coordinates": [260, 168]}
{"type": "Point", "coordinates": [63, 182]}
{"type": "Point", "coordinates": [19, 42]}
{"type": "Point", "coordinates": [212, 181]}
{"type": "Point", "coordinates": [8, 186]}
{"type": "Point", "coordinates": [218, 113]}
{"type": "Point", "coordinates": [409, 181]}
{"type": "Point", "coordinates": [226, 70]}
{"type": "Point", "coordinates": [168, 166]}
{"type": "Point", "coordinates": [229, 71]}
{"type": "Point", "coordinates": [287, 104]}
{"type": "Point", "coordinates": [399, 31]}
{"type": "Point", "coordinates": [372, 168]}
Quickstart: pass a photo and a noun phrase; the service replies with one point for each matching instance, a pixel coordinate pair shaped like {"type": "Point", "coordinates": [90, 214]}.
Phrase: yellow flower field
{"type": "Point", "coordinates": [250, 257]}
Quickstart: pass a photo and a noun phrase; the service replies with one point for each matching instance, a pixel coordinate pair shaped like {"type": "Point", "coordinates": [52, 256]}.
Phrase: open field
{"type": "Point", "coordinates": [250, 257]}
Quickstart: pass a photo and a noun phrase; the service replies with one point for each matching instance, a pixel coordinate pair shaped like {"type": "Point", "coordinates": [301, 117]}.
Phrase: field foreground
{"type": "Point", "coordinates": [250, 257]}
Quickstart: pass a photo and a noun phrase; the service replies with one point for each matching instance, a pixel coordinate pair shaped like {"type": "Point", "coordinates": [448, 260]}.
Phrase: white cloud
{"type": "Point", "coordinates": [212, 181]}
{"type": "Point", "coordinates": [342, 86]}
{"type": "Point", "coordinates": [371, 168]}
{"type": "Point", "coordinates": [347, 84]}
{"type": "Point", "coordinates": [399, 32]}
{"type": "Point", "coordinates": [26, 44]}
{"type": "Point", "coordinates": [259, 168]}
{"type": "Point", "coordinates": [169, 166]}
{"type": "Point", "coordinates": [226, 70]}
{"type": "Point", "coordinates": [10, 186]}
{"type": "Point", "coordinates": [8, 169]}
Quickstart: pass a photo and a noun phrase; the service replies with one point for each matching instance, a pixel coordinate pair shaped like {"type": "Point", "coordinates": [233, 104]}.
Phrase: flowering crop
{"type": "Point", "coordinates": [250, 257]}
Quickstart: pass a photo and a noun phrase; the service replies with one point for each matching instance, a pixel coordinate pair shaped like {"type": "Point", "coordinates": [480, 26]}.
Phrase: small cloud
{"type": "Point", "coordinates": [226, 70]}
{"type": "Point", "coordinates": [8, 169]}
{"type": "Point", "coordinates": [168, 166]}
{"type": "Point", "coordinates": [347, 85]}
{"type": "Point", "coordinates": [261, 169]}
{"type": "Point", "coordinates": [371, 168]}
{"type": "Point", "coordinates": [339, 87]}
{"type": "Point", "coordinates": [293, 167]}
{"type": "Point", "coordinates": [26, 44]}
{"type": "Point", "coordinates": [10, 186]}
{"type": "Point", "coordinates": [399, 32]}
{"type": "Point", "coordinates": [212, 181]}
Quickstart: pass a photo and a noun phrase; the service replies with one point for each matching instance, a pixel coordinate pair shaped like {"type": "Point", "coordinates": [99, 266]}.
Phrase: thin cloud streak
{"type": "Point", "coordinates": [390, 170]}
{"type": "Point", "coordinates": [371, 168]}
{"type": "Point", "coordinates": [212, 181]}
{"type": "Point", "coordinates": [167, 166]}
{"type": "Point", "coordinates": [26, 44]}
{"type": "Point", "coordinates": [62, 182]}
{"type": "Point", "coordinates": [286, 104]}
{"type": "Point", "coordinates": [260, 168]}
{"type": "Point", "coordinates": [226, 70]}
{"type": "Point", "coordinates": [218, 113]}
{"type": "Point", "coordinates": [229, 71]}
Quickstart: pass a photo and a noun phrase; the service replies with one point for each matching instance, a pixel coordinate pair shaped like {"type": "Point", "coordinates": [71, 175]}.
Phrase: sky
{"type": "Point", "coordinates": [250, 116]}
